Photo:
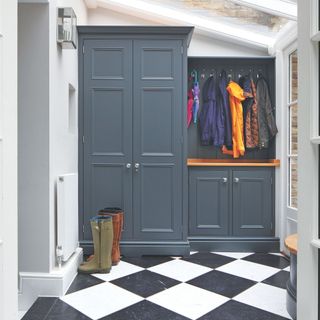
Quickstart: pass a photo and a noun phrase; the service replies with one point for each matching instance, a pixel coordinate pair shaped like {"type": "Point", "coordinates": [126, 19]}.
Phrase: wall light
{"type": "Point", "coordinates": [66, 28]}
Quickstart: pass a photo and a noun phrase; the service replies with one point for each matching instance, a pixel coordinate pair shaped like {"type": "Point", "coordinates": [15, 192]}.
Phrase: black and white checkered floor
{"type": "Point", "coordinates": [215, 286]}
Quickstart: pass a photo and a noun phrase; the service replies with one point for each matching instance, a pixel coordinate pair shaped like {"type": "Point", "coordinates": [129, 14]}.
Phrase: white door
{"type": "Point", "coordinates": [308, 175]}
{"type": "Point", "coordinates": [8, 160]}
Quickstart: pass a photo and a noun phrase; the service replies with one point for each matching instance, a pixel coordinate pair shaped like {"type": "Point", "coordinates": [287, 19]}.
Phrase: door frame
{"type": "Point", "coordinates": [290, 213]}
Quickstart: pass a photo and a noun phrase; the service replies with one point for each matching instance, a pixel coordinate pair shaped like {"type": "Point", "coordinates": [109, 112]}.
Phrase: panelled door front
{"type": "Point", "coordinates": [107, 129]}
{"type": "Point", "coordinates": [157, 132]}
{"type": "Point", "coordinates": [252, 202]}
{"type": "Point", "coordinates": [208, 202]}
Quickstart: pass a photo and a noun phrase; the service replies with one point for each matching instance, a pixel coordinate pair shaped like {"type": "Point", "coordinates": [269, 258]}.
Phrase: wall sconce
{"type": "Point", "coordinates": [66, 28]}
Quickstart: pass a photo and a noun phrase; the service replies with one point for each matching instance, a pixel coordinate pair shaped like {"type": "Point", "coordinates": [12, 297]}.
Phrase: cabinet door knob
{"type": "Point", "coordinates": [128, 165]}
{"type": "Point", "coordinates": [224, 180]}
{"type": "Point", "coordinates": [137, 165]}
{"type": "Point", "coordinates": [236, 180]}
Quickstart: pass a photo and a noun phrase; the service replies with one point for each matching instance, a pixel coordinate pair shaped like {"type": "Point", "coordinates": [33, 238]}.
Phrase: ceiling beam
{"type": "Point", "coordinates": [91, 4]}
{"type": "Point", "coordinates": [167, 15]}
{"type": "Point", "coordinates": [280, 8]}
{"type": "Point", "coordinates": [33, 1]}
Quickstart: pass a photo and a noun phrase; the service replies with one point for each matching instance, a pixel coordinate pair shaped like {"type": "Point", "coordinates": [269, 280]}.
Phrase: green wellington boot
{"type": "Point", "coordinates": [106, 241]}
{"type": "Point", "coordinates": [102, 234]}
{"type": "Point", "coordinates": [93, 266]}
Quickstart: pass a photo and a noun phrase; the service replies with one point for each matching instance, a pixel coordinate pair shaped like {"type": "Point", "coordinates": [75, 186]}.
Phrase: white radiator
{"type": "Point", "coordinates": [67, 217]}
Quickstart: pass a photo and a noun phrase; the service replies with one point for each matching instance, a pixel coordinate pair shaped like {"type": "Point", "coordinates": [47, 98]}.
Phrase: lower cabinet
{"type": "Point", "coordinates": [231, 202]}
{"type": "Point", "coordinates": [252, 202]}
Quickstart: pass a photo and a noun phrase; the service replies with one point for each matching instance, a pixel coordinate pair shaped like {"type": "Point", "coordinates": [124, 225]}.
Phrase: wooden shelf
{"type": "Point", "coordinates": [232, 163]}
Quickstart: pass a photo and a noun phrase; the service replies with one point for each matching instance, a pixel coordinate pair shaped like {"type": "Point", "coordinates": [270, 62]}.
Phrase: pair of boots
{"type": "Point", "coordinates": [102, 234]}
{"type": "Point", "coordinates": [104, 216]}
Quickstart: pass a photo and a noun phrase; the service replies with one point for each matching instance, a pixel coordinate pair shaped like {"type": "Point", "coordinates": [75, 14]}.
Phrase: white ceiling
{"type": "Point", "coordinates": [257, 23]}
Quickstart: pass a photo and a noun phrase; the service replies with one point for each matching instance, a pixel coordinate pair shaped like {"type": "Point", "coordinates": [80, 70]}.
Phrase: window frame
{"type": "Point", "coordinates": [314, 77]}
{"type": "Point", "coordinates": [290, 103]}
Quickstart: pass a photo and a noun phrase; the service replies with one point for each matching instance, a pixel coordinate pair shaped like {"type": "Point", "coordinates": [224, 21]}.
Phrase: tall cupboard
{"type": "Point", "coordinates": [131, 151]}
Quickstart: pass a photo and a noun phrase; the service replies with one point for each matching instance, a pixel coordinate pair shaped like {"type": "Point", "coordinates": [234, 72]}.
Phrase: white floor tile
{"type": "Point", "coordinates": [235, 255]}
{"type": "Point", "coordinates": [180, 270]}
{"type": "Point", "coordinates": [100, 300]}
{"type": "Point", "coordinates": [193, 252]}
{"type": "Point", "coordinates": [248, 270]}
{"type": "Point", "coordinates": [21, 314]}
{"type": "Point", "coordinates": [188, 300]}
{"type": "Point", "coordinates": [121, 270]}
{"type": "Point", "coordinates": [265, 297]}
{"type": "Point", "coordinates": [287, 269]}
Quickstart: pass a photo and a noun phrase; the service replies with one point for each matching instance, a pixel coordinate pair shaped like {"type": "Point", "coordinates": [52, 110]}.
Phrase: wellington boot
{"type": "Point", "coordinates": [117, 221]}
{"type": "Point", "coordinates": [106, 239]}
{"type": "Point", "coordinates": [102, 234]}
{"type": "Point", "coordinates": [93, 266]}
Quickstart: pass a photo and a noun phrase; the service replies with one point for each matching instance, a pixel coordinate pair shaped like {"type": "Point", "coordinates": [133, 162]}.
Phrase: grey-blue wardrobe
{"type": "Point", "coordinates": [132, 93]}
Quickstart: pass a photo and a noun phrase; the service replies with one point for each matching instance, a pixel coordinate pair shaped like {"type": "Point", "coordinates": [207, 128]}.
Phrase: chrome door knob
{"type": "Point", "coordinates": [236, 180]}
{"type": "Point", "coordinates": [137, 166]}
{"type": "Point", "coordinates": [224, 180]}
{"type": "Point", "coordinates": [128, 165]}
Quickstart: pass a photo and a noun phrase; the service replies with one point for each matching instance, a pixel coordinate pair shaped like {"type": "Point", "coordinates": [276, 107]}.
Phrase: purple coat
{"type": "Point", "coordinates": [211, 116]}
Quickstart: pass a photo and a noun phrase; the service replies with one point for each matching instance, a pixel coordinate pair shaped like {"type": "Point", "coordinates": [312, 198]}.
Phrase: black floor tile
{"type": "Point", "coordinates": [83, 281]}
{"type": "Point", "coordinates": [40, 309]}
{"type": "Point", "coordinates": [208, 259]}
{"type": "Point", "coordinates": [267, 259]}
{"type": "Point", "coordinates": [144, 310]}
{"type": "Point", "coordinates": [62, 311]}
{"type": "Point", "coordinates": [222, 283]}
{"type": "Point", "coordinates": [279, 279]}
{"type": "Point", "coordinates": [233, 310]}
{"type": "Point", "coordinates": [146, 261]}
{"type": "Point", "coordinates": [145, 283]}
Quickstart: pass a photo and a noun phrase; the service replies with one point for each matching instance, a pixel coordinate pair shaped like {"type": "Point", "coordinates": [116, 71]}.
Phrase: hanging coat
{"type": "Point", "coordinates": [250, 113]}
{"type": "Point", "coordinates": [236, 96]}
{"type": "Point", "coordinates": [251, 121]}
{"type": "Point", "coordinates": [189, 107]}
{"type": "Point", "coordinates": [206, 117]}
{"type": "Point", "coordinates": [267, 124]}
{"type": "Point", "coordinates": [223, 104]}
{"type": "Point", "coordinates": [218, 121]}
{"type": "Point", "coordinates": [196, 101]}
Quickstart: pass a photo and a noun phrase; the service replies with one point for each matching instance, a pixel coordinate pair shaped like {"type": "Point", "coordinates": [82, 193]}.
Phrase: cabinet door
{"type": "Point", "coordinates": [252, 202]}
{"type": "Point", "coordinates": [107, 130]}
{"type": "Point", "coordinates": [208, 202]}
{"type": "Point", "coordinates": [157, 136]}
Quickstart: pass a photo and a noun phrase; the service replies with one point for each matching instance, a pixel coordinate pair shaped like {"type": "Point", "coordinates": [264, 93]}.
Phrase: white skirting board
{"type": "Point", "coordinates": [53, 284]}
{"type": "Point", "coordinates": [67, 214]}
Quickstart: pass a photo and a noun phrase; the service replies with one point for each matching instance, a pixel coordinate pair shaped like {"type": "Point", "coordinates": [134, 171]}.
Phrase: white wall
{"type": "Point", "coordinates": [102, 16]}
{"type": "Point", "coordinates": [63, 72]}
{"type": "Point", "coordinates": [33, 137]}
{"type": "Point", "coordinates": [47, 146]}
{"type": "Point", "coordinates": [200, 45]}
{"type": "Point", "coordinates": [8, 160]}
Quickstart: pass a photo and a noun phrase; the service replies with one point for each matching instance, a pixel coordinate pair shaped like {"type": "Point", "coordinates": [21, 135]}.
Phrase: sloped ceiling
{"type": "Point", "coordinates": [252, 25]}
